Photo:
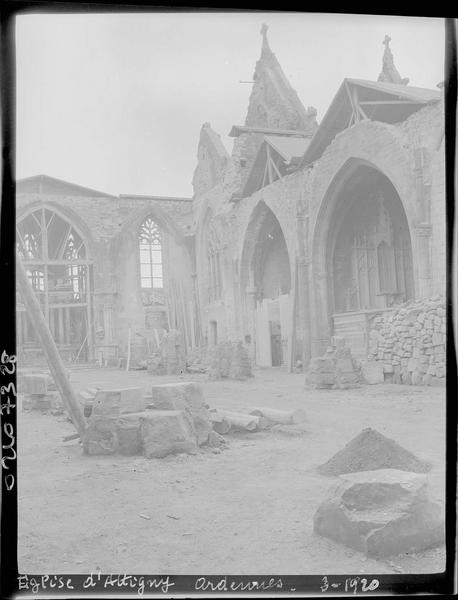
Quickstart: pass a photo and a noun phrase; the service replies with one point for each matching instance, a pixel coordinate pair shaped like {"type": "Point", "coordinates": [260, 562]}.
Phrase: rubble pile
{"type": "Point", "coordinates": [371, 450]}
{"type": "Point", "coordinates": [335, 370]}
{"type": "Point", "coordinates": [225, 360]}
{"type": "Point", "coordinates": [407, 345]}
{"type": "Point", "coordinates": [175, 421]}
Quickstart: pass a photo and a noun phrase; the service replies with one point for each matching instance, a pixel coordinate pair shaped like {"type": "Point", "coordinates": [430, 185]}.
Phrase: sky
{"type": "Point", "coordinates": [115, 102]}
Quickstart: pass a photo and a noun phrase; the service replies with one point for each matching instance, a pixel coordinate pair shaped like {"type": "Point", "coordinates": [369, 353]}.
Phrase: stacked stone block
{"type": "Point", "coordinates": [410, 342]}
{"type": "Point", "coordinates": [176, 420]}
{"type": "Point", "coordinates": [38, 391]}
{"type": "Point", "coordinates": [336, 369]}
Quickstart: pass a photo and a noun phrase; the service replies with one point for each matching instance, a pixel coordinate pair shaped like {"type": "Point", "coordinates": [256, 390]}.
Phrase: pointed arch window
{"type": "Point", "coordinates": [59, 268]}
{"type": "Point", "coordinates": [150, 248]}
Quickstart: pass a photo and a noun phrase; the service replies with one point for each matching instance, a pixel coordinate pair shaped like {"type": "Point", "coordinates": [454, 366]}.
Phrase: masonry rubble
{"type": "Point", "coordinates": [408, 343]}
{"type": "Point", "coordinates": [176, 420]}
{"type": "Point", "coordinates": [336, 369]}
{"type": "Point", "coordinates": [224, 360]}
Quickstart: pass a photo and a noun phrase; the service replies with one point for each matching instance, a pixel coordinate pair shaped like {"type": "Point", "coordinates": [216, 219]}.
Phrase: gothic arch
{"type": "Point", "coordinates": [164, 221]}
{"type": "Point", "coordinates": [259, 218]}
{"type": "Point", "coordinates": [57, 258]}
{"type": "Point", "coordinates": [382, 248]}
{"type": "Point", "coordinates": [372, 143]}
{"type": "Point", "coordinates": [66, 214]}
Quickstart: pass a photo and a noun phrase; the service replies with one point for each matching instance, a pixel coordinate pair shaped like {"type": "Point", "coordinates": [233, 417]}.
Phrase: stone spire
{"type": "Point", "coordinates": [273, 103]}
{"type": "Point", "coordinates": [389, 73]}
{"type": "Point", "coordinates": [265, 42]}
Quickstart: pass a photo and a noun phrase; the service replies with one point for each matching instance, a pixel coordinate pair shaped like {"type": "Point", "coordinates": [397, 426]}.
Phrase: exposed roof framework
{"type": "Point", "coordinates": [357, 100]}
{"type": "Point", "coordinates": [275, 156]}
{"type": "Point", "coordinates": [238, 130]}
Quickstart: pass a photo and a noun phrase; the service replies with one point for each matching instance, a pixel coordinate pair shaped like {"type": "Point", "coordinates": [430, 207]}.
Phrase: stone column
{"type": "Point", "coordinates": [320, 326]}
{"type": "Point", "coordinates": [196, 317]}
{"type": "Point", "coordinates": [304, 307]}
{"type": "Point", "coordinates": [236, 296]}
{"type": "Point", "coordinates": [251, 307]}
{"type": "Point", "coordinates": [423, 233]}
{"type": "Point", "coordinates": [303, 284]}
{"type": "Point", "coordinates": [422, 228]}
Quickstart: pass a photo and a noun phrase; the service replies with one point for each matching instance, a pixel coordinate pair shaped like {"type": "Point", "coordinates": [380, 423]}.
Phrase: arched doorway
{"type": "Point", "coordinates": [59, 268]}
{"type": "Point", "coordinates": [266, 273]}
{"type": "Point", "coordinates": [368, 254]}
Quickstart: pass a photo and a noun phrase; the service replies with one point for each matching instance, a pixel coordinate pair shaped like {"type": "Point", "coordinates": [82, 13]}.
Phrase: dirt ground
{"type": "Point", "coordinates": [245, 510]}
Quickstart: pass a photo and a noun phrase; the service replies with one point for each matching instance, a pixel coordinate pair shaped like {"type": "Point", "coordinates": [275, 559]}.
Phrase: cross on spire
{"type": "Point", "coordinates": [389, 72]}
{"type": "Point", "coordinates": [265, 43]}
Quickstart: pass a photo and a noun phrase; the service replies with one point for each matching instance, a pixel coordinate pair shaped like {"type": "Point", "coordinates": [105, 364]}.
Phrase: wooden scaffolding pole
{"type": "Point", "coordinates": [49, 347]}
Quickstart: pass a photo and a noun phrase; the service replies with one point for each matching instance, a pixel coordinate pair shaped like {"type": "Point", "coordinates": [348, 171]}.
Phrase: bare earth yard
{"type": "Point", "coordinates": [245, 510]}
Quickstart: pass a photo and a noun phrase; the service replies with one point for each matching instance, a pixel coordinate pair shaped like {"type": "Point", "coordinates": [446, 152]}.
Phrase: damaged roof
{"type": "Point", "coordinates": [287, 146]}
{"type": "Point", "coordinates": [240, 129]}
{"type": "Point", "coordinates": [44, 184]}
{"type": "Point", "coordinates": [282, 151]}
{"type": "Point", "coordinates": [380, 101]}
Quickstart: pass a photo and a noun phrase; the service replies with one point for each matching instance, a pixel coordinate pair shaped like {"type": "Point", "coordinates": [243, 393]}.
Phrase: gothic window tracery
{"type": "Point", "coordinates": [150, 249]}
{"type": "Point", "coordinates": [58, 267]}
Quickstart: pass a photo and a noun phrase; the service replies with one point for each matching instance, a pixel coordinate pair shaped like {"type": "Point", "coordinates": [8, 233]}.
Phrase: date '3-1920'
{"type": "Point", "coordinates": [350, 584]}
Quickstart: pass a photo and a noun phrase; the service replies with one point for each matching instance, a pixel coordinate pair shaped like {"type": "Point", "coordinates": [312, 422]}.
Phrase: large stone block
{"type": "Point", "coordinates": [113, 434]}
{"type": "Point", "coordinates": [36, 384]}
{"type": "Point", "coordinates": [186, 396]}
{"type": "Point", "coordinates": [381, 513]}
{"type": "Point", "coordinates": [118, 401]}
{"type": "Point", "coordinates": [100, 436]}
{"type": "Point", "coordinates": [166, 432]}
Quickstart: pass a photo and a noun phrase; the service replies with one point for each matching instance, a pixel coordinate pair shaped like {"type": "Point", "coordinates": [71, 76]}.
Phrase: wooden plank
{"type": "Point", "coordinates": [60, 312]}
{"type": "Point", "coordinates": [375, 102]}
{"type": "Point", "coordinates": [49, 348]}
{"type": "Point", "coordinates": [129, 341]}
{"type": "Point", "coordinates": [292, 325]}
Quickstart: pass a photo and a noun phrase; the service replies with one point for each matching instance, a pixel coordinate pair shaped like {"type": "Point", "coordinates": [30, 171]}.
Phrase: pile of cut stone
{"type": "Point", "coordinates": [171, 358]}
{"type": "Point", "coordinates": [407, 345]}
{"type": "Point", "coordinates": [175, 420]}
{"type": "Point", "coordinates": [380, 504]}
{"type": "Point", "coordinates": [229, 360]}
{"type": "Point", "coordinates": [335, 370]}
{"type": "Point", "coordinates": [226, 360]}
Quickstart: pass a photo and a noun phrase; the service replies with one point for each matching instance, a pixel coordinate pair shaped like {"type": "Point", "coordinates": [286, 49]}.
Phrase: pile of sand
{"type": "Point", "coordinates": [370, 450]}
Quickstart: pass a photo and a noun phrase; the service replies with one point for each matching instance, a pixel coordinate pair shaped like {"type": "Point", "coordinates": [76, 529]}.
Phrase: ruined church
{"type": "Point", "coordinates": [310, 228]}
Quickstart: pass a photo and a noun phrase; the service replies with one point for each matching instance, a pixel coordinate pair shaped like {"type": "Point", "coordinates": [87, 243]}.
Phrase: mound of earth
{"type": "Point", "coordinates": [371, 450]}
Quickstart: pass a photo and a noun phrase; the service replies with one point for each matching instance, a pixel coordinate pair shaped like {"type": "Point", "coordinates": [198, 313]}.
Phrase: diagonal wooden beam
{"type": "Point", "coordinates": [49, 348]}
